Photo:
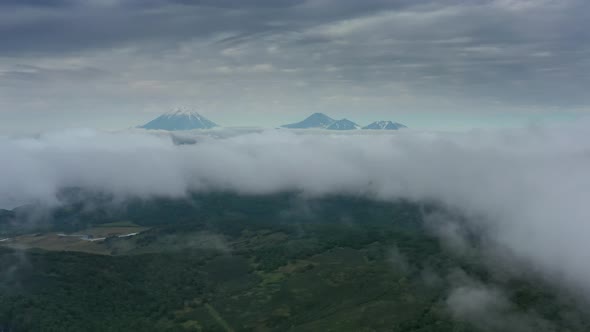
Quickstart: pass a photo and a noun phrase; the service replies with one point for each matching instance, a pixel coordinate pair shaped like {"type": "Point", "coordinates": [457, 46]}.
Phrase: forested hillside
{"type": "Point", "coordinates": [265, 263]}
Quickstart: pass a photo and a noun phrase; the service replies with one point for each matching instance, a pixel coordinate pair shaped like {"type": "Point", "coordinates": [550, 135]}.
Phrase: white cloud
{"type": "Point", "coordinates": [384, 22]}
{"type": "Point", "coordinates": [233, 52]}
{"type": "Point", "coordinates": [490, 309]}
{"type": "Point", "coordinates": [527, 189]}
{"type": "Point", "coordinates": [523, 5]}
{"type": "Point", "coordinates": [253, 69]}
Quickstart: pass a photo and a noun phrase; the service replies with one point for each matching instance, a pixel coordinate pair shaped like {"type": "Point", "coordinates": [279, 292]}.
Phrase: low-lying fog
{"type": "Point", "coordinates": [527, 189]}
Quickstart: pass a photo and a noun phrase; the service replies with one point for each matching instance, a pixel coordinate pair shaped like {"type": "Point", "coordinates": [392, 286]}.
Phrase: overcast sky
{"type": "Point", "coordinates": [430, 64]}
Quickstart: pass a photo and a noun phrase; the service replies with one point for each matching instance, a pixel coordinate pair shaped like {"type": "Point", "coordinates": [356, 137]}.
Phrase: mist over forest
{"type": "Point", "coordinates": [513, 198]}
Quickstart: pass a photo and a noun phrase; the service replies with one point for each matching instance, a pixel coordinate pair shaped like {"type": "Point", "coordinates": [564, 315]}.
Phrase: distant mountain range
{"type": "Point", "coordinates": [180, 120]}
{"type": "Point", "coordinates": [322, 121]}
{"type": "Point", "coordinates": [316, 120]}
{"type": "Point", "coordinates": [343, 124]}
{"type": "Point", "coordinates": [385, 125]}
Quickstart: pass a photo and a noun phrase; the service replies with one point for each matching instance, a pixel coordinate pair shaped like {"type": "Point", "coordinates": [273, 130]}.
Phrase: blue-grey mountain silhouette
{"type": "Point", "coordinates": [180, 120]}
{"type": "Point", "coordinates": [316, 120]}
{"type": "Point", "coordinates": [385, 125]}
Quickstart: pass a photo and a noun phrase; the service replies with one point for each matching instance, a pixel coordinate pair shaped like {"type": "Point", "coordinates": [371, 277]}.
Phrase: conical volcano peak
{"type": "Point", "coordinates": [180, 119]}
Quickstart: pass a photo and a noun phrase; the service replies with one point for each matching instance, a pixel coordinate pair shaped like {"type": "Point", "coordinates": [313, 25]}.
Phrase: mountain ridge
{"type": "Point", "coordinates": [179, 119]}
{"type": "Point", "coordinates": [322, 121]}
{"type": "Point", "coordinates": [384, 125]}
{"type": "Point", "coordinates": [316, 120]}
{"type": "Point", "coordinates": [343, 124]}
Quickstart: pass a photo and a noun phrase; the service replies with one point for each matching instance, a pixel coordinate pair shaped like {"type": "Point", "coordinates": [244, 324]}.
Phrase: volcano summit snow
{"type": "Point", "coordinates": [180, 120]}
{"type": "Point", "coordinates": [316, 120]}
{"type": "Point", "coordinates": [322, 121]}
{"type": "Point", "coordinates": [385, 125]}
{"type": "Point", "coordinates": [343, 124]}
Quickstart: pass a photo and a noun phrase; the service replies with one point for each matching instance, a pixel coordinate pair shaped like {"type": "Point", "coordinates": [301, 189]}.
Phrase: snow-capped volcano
{"type": "Point", "coordinates": [343, 124]}
{"type": "Point", "coordinates": [385, 125]}
{"type": "Point", "coordinates": [180, 119]}
{"type": "Point", "coordinates": [316, 120]}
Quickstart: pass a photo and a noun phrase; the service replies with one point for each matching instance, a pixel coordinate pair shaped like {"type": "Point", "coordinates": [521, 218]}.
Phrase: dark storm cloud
{"type": "Point", "coordinates": [75, 29]}
{"type": "Point", "coordinates": [35, 3]}
{"type": "Point", "coordinates": [240, 4]}
{"type": "Point", "coordinates": [63, 25]}
{"type": "Point", "coordinates": [498, 54]}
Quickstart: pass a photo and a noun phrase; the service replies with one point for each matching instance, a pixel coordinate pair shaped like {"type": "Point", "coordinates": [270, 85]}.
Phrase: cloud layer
{"type": "Point", "coordinates": [526, 189]}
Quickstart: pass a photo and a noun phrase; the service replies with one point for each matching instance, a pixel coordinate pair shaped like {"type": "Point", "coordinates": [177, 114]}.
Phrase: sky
{"type": "Point", "coordinates": [429, 64]}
